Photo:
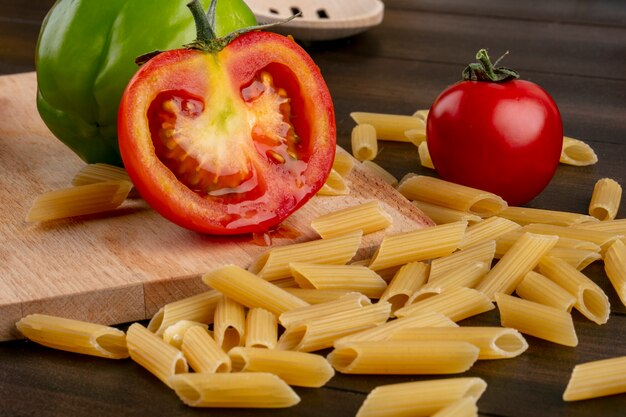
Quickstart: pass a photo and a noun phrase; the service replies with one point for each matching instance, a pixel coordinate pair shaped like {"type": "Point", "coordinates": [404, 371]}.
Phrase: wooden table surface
{"type": "Point", "coordinates": [575, 49]}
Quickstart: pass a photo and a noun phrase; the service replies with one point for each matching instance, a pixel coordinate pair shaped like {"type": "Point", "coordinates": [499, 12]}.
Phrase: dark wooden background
{"type": "Point", "coordinates": [575, 49]}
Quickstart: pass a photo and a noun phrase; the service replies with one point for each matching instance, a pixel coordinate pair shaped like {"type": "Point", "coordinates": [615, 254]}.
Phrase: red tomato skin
{"type": "Point", "coordinates": [505, 138]}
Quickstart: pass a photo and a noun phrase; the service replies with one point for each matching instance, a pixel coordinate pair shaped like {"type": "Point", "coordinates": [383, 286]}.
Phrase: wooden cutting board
{"type": "Point", "coordinates": [122, 266]}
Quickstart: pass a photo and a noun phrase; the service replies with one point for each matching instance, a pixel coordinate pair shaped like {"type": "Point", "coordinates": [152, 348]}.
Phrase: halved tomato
{"type": "Point", "coordinates": [232, 141]}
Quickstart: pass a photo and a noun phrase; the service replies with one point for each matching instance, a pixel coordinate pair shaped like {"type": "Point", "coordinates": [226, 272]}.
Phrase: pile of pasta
{"type": "Point", "coordinates": [261, 328]}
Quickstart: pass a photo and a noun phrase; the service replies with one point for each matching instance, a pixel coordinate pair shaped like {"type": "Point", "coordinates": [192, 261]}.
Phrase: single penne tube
{"type": "Point", "coordinates": [343, 162]}
{"type": "Point", "coordinates": [540, 289]}
{"type": "Point", "coordinates": [419, 398]}
{"type": "Point", "coordinates": [421, 114]}
{"type": "Point", "coordinates": [233, 390]}
{"type": "Point", "coordinates": [465, 407]}
{"type": "Point", "coordinates": [349, 302]}
{"type": "Point", "coordinates": [468, 276]}
{"type": "Point", "coordinates": [605, 200]}
{"type": "Point", "coordinates": [424, 155]}
{"type": "Point", "coordinates": [203, 353]}
{"type": "Point", "coordinates": [413, 357]}
{"type": "Point", "coordinates": [274, 264]}
{"type": "Point", "coordinates": [523, 257]}
{"type": "Point", "coordinates": [442, 215]}
{"type": "Point", "coordinates": [368, 217]}
{"type": "Point", "coordinates": [74, 335]}
{"type": "Point", "coordinates": [600, 238]}
{"type": "Point", "coordinates": [154, 354]}
{"type": "Point", "coordinates": [364, 142]}
{"type": "Point", "coordinates": [321, 333]}
{"type": "Point", "coordinates": [419, 245]}
{"type": "Point", "coordinates": [335, 185]}
{"type": "Point", "coordinates": [79, 201]}
{"type": "Point", "coordinates": [93, 173]}
{"type": "Point", "coordinates": [591, 301]}
{"type": "Point", "coordinates": [579, 259]}
{"type": "Point", "coordinates": [285, 283]}
{"type": "Point", "coordinates": [489, 229]}
{"type": "Point", "coordinates": [576, 152]}
{"type": "Point", "coordinates": [251, 290]}
{"type": "Point", "coordinates": [385, 330]}
{"type": "Point", "coordinates": [229, 326]}
{"type": "Point", "coordinates": [479, 253]}
{"type": "Point", "coordinates": [455, 303]}
{"type": "Point", "coordinates": [406, 281]}
{"type": "Point", "coordinates": [505, 242]}
{"type": "Point", "coordinates": [615, 268]}
{"type": "Point", "coordinates": [175, 333]}
{"type": "Point", "coordinates": [597, 379]}
{"type": "Point", "coordinates": [295, 368]}
{"type": "Point", "coordinates": [199, 307]}
{"type": "Point", "coordinates": [447, 194]}
{"type": "Point", "coordinates": [538, 320]}
{"type": "Point", "coordinates": [492, 342]}
{"type": "Point", "coordinates": [380, 172]}
{"type": "Point", "coordinates": [261, 328]}
{"type": "Point", "coordinates": [317, 296]}
{"type": "Point", "coordinates": [338, 277]}
{"type": "Point", "coordinates": [416, 136]}
{"type": "Point", "coordinates": [388, 126]}
{"type": "Point", "coordinates": [617, 226]}
{"type": "Point", "coordinates": [527, 215]}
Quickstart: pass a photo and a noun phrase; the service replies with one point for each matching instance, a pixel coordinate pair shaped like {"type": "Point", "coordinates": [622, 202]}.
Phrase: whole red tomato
{"type": "Point", "coordinates": [229, 136]}
{"type": "Point", "coordinates": [495, 133]}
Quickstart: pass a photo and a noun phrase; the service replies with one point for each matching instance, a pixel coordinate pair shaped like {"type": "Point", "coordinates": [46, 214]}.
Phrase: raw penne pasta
{"type": "Point", "coordinates": [250, 290]}
{"type": "Point", "coordinates": [505, 242]}
{"type": "Point", "coordinates": [416, 136]}
{"type": "Point", "coordinates": [364, 142]}
{"type": "Point", "coordinates": [93, 173]}
{"type": "Point", "coordinates": [421, 114]}
{"type": "Point", "coordinates": [492, 342]}
{"type": "Point", "coordinates": [406, 281]}
{"type": "Point", "coordinates": [388, 126]}
{"type": "Point", "coordinates": [154, 354]}
{"type": "Point", "coordinates": [200, 308]}
{"type": "Point", "coordinates": [349, 302]}
{"type": "Point", "coordinates": [175, 333]}
{"type": "Point", "coordinates": [335, 185]}
{"type": "Point", "coordinates": [78, 201]}
{"type": "Point", "coordinates": [579, 259]}
{"type": "Point", "coordinates": [455, 303]}
{"type": "Point", "coordinates": [480, 253]}
{"type": "Point", "coordinates": [468, 275]}
{"type": "Point", "coordinates": [600, 238]}
{"type": "Point", "coordinates": [343, 162]}
{"type": "Point", "coordinates": [538, 320]}
{"type": "Point", "coordinates": [261, 328]}
{"type": "Point", "coordinates": [597, 379]}
{"type": "Point", "coordinates": [295, 368]}
{"type": "Point", "coordinates": [274, 264]}
{"type": "Point", "coordinates": [413, 357]}
{"type": "Point", "coordinates": [447, 194]}
{"type": "Point", "coordinates": [419, 398]}
{"type": "Point", "coordinates": [380, 172]}
{"type": "Point", "coordinates": [385, 330]}
{"type": "Point", "coordinates": [465, 407]}
{"type": "Point", "coordinates": [338, 277]}
{"type": "Point", "coordinates": [615, 267]}
{"type": "Point", "coordinates": [233, 390]}
{"type": "Point", "coordinates": [591, 301]}
{"type": "Point", "coordinates": [576, 152]}
{"type": "Point", "coordinates": [540, 289]}
{"type": "Point", "coordinates": [316, 296]}
{"type": "Point", "coordinates": [319, 334]}
{"type": "Point", "coordinates": [617, 226]}
{"type": "Point", "coordinates": [74, 336]}
{"type": "Point", "coordinates": [442, 215]}
{"type": "Point", "coordinates": [229, 325]}
{"type": "Point", "coordinates": [203, 353]}
{"type": "Point", "coordinates": [419, 245]}
{"type": "Point", "coordinates": [523, 256]}
{"type": "Point", "coordinates": [605, 200]}
{"type": "Point", "coordinates": [489, 229]}
{"type": "Point", "coordinates": [424, 155]}
{"type": "Point", "coordinates": [368, 217]}
{"type": "Point", "coordinates": [527, 215]}
{"type": "Point", "coordinates": [285, 283]}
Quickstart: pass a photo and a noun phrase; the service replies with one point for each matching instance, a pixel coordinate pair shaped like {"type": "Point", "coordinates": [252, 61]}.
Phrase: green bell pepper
{"type": "Point", "coordinates": [86, 56]}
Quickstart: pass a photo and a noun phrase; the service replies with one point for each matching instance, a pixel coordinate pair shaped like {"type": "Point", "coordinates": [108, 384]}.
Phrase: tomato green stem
{"type": "Point", "coordinates": [204, 22]}
{"type": "Point", "coordinates": [484, 70]}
